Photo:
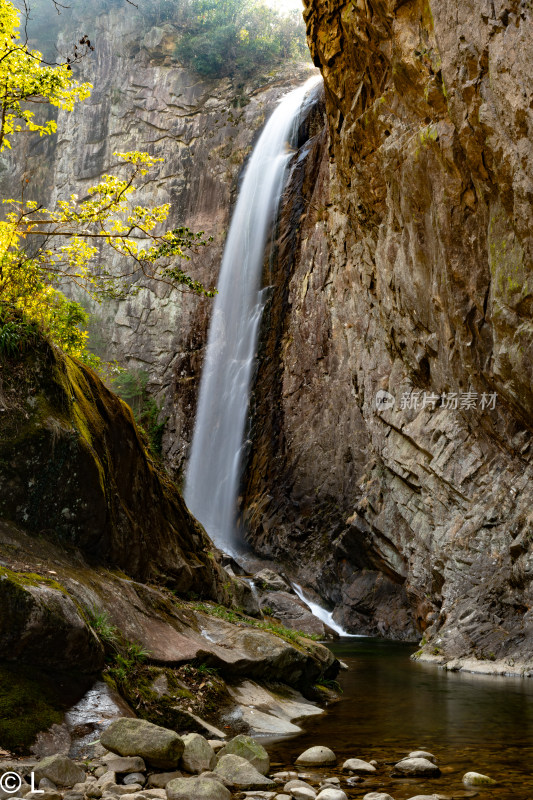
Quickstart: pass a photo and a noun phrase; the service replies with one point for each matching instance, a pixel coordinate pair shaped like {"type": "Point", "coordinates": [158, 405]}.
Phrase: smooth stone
{"type": "Point", "coordinates": [317, 756]}
{"type": "Point", "coordinates": [146, 794]}
{"type": "Point", "coordinates": [332, 794]}
{"type": "Point", "coordinates": [199, 788]}
{"type": "Point", "coordinates": [134, 777]}
{"type": "Point", "coordinates": [159, 780]}
{"type": "Point", "coordinates": [248, 748]}
{"type": "Point", "coordinates": [282, 797]}
{"type": "Point", "coordinates": [296, 784]}
{"type": "Point", "coordinates": [115, 789]}
{"type": "Point", "coordinates": [258, 795]}
{"type": "Point", "coordinates": [240, 774]}
{"type": "Point", "coordinates": [38, 795]}
{"type": "Point", "coordinates": [99, 771]}
{"type": "Point", "coordinates": [377, 796]}
{"type": "Point", "coordinates": [330, 781]}
{"type": "Point", "coordinates": [426, 797]}
{"type": "Point", "coordinates": [283, 777]}
{"type": "Point", "coordinates": [417, 766]}
{"type": "Point", "coordinates": [109, 778]}
{"type": "Point", "coordinates": [60, 770]}
{"type": "Point", "coordinates": [94, 791]}
{"type": "Point", "coordinates": [477, 779]}
{"type": "Point", "coordinates": [358, 766]}
{"type": "Point", "coordinates": [198, 755]}
{"type": "Point", "coordinates": [73, 796]}
{"type": "Point", "coordinates": [216, 744]}
{"type": "Point", "coordinates": [125, 764]}
{"type": "Point", "coordinates": [423, 754]}
{"type": "Point", "coordinates": [303, 793]}
{"type": "Point", "coordinates": [159, 747]}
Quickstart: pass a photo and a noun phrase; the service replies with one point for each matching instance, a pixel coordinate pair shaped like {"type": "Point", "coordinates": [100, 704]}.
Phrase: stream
{"type": "Point", "coordinates": [391, 706]}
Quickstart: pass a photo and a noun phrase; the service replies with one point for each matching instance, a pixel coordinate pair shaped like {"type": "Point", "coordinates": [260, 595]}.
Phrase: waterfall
{"type": "Point", "coordinates": [214, 472]}
{"type": "Point", "coordinates": [322, 614]}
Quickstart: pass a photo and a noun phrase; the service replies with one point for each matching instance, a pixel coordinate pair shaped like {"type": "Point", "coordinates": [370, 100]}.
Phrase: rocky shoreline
{"type": "Point", "coordinates": [137, 760]}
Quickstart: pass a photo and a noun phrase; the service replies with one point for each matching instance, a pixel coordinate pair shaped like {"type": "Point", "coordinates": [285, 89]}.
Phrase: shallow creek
{"type": "Point", "coordinates": [392, 705]}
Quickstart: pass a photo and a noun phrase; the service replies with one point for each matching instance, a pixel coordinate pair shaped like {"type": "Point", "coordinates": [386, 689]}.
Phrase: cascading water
{"type": "Point", "coordinates": [213, 475]}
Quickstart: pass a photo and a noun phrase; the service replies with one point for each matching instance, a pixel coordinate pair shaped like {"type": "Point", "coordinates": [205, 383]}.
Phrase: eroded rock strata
{"type": "Point", "coordinates": [410, 275]}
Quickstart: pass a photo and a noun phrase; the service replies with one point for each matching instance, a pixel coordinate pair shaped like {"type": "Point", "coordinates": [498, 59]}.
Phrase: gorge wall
{"type": "Point", "coordinates": [403, 266]}
{"type": "Point", "coordinates": [411, 274]}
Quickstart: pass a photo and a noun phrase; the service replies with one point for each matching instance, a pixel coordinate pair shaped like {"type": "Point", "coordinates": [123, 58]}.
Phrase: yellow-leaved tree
{"type": "Point", "coordinates": [40, 248]}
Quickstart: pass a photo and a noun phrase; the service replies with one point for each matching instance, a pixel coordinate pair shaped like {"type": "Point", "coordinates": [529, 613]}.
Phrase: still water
{"type": "Point", "coordinates": [391, 706]}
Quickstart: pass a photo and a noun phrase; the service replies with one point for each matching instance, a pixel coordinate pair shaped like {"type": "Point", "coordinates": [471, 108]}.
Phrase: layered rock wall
{"type": "Point", "coordinates": [412, 276]}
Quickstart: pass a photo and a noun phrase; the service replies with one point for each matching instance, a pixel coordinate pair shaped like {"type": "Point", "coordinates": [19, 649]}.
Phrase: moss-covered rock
{"type": "Point", "coordinates": [159, 747]}
{"type": "Point", "coordinates": [75, 469]}
{"type": "Point", "coordinates": [248, 748]}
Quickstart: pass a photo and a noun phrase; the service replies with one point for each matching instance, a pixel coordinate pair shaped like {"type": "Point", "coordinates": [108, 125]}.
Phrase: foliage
{"type": "Point", "coordinates": [238, 38]}
{"type": "Point", "coordinates": [236, 617]}
{"type": "Point", "coordinates": [131, 386]}
{"type": "Point", "coordinates": [43, 249]}
{"type": "Point", "coordinates": [122, 656]}
{"type": "Point", "coordinates": [25, 79]}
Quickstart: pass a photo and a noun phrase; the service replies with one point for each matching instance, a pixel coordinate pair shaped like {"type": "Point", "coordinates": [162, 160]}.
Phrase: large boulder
{"type": "Point", "coordinates": [238, 773]}
{"type": "Point", "coordinates": [197, 789]}
{"type": "Point", "coordinates": [294, 614]}
{"type": "Point", "coordinates": [271, 581]}
{"type": "Point", "coordinates": [60, 770]}
{"type": "Point", "coordinates": [248, 748]}
{"type": "Point", "coordinates": [159, 747]}
{"type": "Point", "coordinates": [198, 755]}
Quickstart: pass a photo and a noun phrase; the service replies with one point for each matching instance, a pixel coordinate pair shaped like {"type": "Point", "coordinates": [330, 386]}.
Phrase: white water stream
{"type": "Point", "coordinates": [214, 471]}
{"type": "Point", "coordinates": [325, 616]}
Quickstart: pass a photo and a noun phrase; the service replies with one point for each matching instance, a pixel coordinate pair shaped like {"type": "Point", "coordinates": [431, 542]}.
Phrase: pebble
{"type": "Point", "coordinates": [283, 777]}
{"type": "Point", "coordinates": [317, 756]}
{"type": "Point", "coordinates": [134, 777]}
{"type": "Point", "coordinates": [477, 779]}
{"type": "Point", "coordinates": [423, 754]}
{"type": "Point", "coordinates": [332, 793]}
{"type": "Point", "coordinates": [377, 796]}
{"type": "Point", "coordinates": [303, 793]}
{"type": "Point", "coordinates": [359, 766]}
{"type": "Point", "coordinates": [417, 766]}
{"type": "Point", "coordinates": [296, 784]}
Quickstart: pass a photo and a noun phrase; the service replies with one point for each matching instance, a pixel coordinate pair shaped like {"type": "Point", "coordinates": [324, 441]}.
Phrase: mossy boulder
{"type": "Point", "coordinates": [159, 747]}
{"type": "Point", "coordinates": [477, 779]}
{"type": "Point", "coordinates": [74, 468]}
{"type": "Point", "coordinates": [248, 748]}
{"type": "Point", "coordinates": [32, 701]}
{"type": "Point", "coordinates": [39, 622]}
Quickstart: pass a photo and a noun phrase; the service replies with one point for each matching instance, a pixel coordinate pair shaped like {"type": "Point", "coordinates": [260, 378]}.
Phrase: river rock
{"type": "Point", "coordinates": [477, 779]}
{"type": "Point", "coordinates": [159, 747]}
{"type": "Point", "coordinates": [109, 778]}
{"type": "Point", "coordinates": [377, 796]}
{"type": "Point", "coordinates": [134, 777]}
{"type": "Point", "coordinates": [283, 777]}
{"type": "Point", "coordinates": [317, 756]}
{"type": "Point", "coordinates": [199, 788]}
{"type": "Point", "coordinates": [198, 755]}
{"type": "Point", "coordinates": [421, 767]}
{"type": "Point", "coordinates": [60, 770]}
{"type": "Point", "coordinates": [248, 748]}
{"type": "Point", "coordinates": [159, 780]}
{"type": "Point", "coordinates": [216, 744]}
{"type": "Point", "coordinates": [238, 773]}
{"type": "Point", "coordinates": [118, 789]}
{"type": "Point", "coordinates": [269, 580]}
{"type": "Point", "coordinates": [358, 766]}
{"type": "Point", "coordinates": [423, 754]}
{"type": "Point", "coordinates": [125, 765]}
{"type": "Point", "coordinates": [303, 793]}
{"type": "Point", "coordinates": [331, 793]}
{"type": "Point", "coordinates": [330, 782]}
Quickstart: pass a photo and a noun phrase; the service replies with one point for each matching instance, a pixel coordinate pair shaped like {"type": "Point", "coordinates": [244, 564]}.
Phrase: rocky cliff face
{"type": "Point", "coordinates": [204, 130]}
{"type": "Point", "coordinates": [410, 275]}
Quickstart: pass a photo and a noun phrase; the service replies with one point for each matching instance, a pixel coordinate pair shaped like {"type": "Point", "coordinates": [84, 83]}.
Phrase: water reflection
{"type": "Point", "coordinates": [392, 705]}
